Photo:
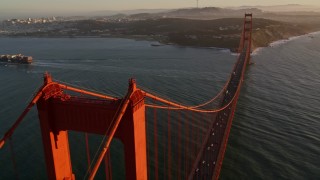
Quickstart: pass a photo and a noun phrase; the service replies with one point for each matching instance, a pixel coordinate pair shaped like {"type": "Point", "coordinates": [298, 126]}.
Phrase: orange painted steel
{"type": "Point", "coordinates": [245, 44]}
{"type": "Point", "coordinates": [179, 107]}
{"type": "Point", "coordinates": [87, 151]}
{"type": "Point", "coordinates": [55, 142]}
{"type": "Point", "coordinates": [51, 99]}
{"type": "Point", "coordinates": [179, 145]}
{"type": "Point", "coordinates": [48, 81]}
{"type": "Point", "coordinates": [9, 133]}
{"type": "Point", "coordinates": [155, 140]}
{"type": "Point", "coordinates": [196, 106]}
{"type": "Point", "coordinates": [95, 116]}
{"type": "Point", "coordinates": [118, 118]}
{"type": "Point", "coordinates": [225, 141]}
{"type": "Point", "coordinates": [169, 145]}
{"type": "Point", "coordinates": [63, 86]}
{"type": "Point", "coordinates": [128, 124]}
{"type": "Point", "coordinates": [247, 60]}
{"type": "Point", "coordinates": [108, 168]}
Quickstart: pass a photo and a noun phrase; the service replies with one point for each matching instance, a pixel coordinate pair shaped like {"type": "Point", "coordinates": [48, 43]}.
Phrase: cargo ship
{"type": "Point", "coordinates": [18, 58]}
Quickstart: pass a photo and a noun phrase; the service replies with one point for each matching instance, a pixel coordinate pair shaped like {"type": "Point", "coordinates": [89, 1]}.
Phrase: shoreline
{"type": "Point", "coordinates": [279, 42]}
{"type": "Point", "coordinates": [161, 42]}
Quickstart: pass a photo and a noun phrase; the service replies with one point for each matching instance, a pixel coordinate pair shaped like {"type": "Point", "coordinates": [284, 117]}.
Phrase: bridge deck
{"type": "Point", "coordinates": [210, 158]}
{"type": "Point", "coordinates": [126, 119]}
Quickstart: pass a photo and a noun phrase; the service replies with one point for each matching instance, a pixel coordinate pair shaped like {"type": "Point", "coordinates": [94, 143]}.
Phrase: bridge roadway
{"type": "Point", "coordinates": [208, 157]}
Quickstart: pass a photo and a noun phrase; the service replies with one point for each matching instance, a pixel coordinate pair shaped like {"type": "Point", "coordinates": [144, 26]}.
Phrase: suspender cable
{"type": "Point", "coordinates": [155, 137]}
{"type": "Point", "coordinates": [148, 149]}
{"type": "Point", "coordinates": [20, 118]}
{"type": "Point", "coordinates": [179, 145]}
{"type": "Point", "coordinates": [88, 151]}
{"type": "Point", "coordinates": [107, 164]}
{"type": "Point", "coordinates": [179, 107]}
{"type": "Point", "coordinates": [110, 137]}
{"type": "Point", "coordinates": [15, 169]}
{"type": "Point", "coordinates": [186, 148]}
{"type": "Point", "coordinates": [169, 146]}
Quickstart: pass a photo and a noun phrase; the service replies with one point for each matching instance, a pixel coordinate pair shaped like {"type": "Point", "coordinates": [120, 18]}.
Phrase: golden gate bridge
{"type": "Point", "coordinates": [171, 149]}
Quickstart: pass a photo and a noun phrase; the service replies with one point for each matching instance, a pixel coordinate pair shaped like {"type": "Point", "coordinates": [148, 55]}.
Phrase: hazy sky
{"type": "Point", "coordinates": [96, 5]}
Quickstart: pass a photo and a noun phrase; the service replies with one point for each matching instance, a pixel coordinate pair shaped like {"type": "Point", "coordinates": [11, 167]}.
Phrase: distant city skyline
{"type": "Point", "coordinates": [99, 5]}
{"type": "Point", "coordinates": [48, 8]}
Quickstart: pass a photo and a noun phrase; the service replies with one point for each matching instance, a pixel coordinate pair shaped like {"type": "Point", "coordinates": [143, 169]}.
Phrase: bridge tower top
{"type": "Point", "coordinates": [132, 84]}
{"type": "Point", "coordinates": [246, 36]}
{"type": "Point", "coordinates": [47, 78]}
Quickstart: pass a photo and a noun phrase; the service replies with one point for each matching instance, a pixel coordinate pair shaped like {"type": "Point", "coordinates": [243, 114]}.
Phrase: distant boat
{"type": "Point", "coordinates": [17, 58]}
{"type": "Point", "coordinates": [157, 44]}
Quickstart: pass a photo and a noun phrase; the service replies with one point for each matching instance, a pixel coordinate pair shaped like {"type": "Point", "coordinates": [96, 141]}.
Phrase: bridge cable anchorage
{"type": "Point", "coordinates": [117, 119]}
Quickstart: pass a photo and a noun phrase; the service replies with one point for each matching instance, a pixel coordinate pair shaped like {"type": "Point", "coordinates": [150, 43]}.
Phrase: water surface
{"type": "Point", "coordinates": [275, 129]}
